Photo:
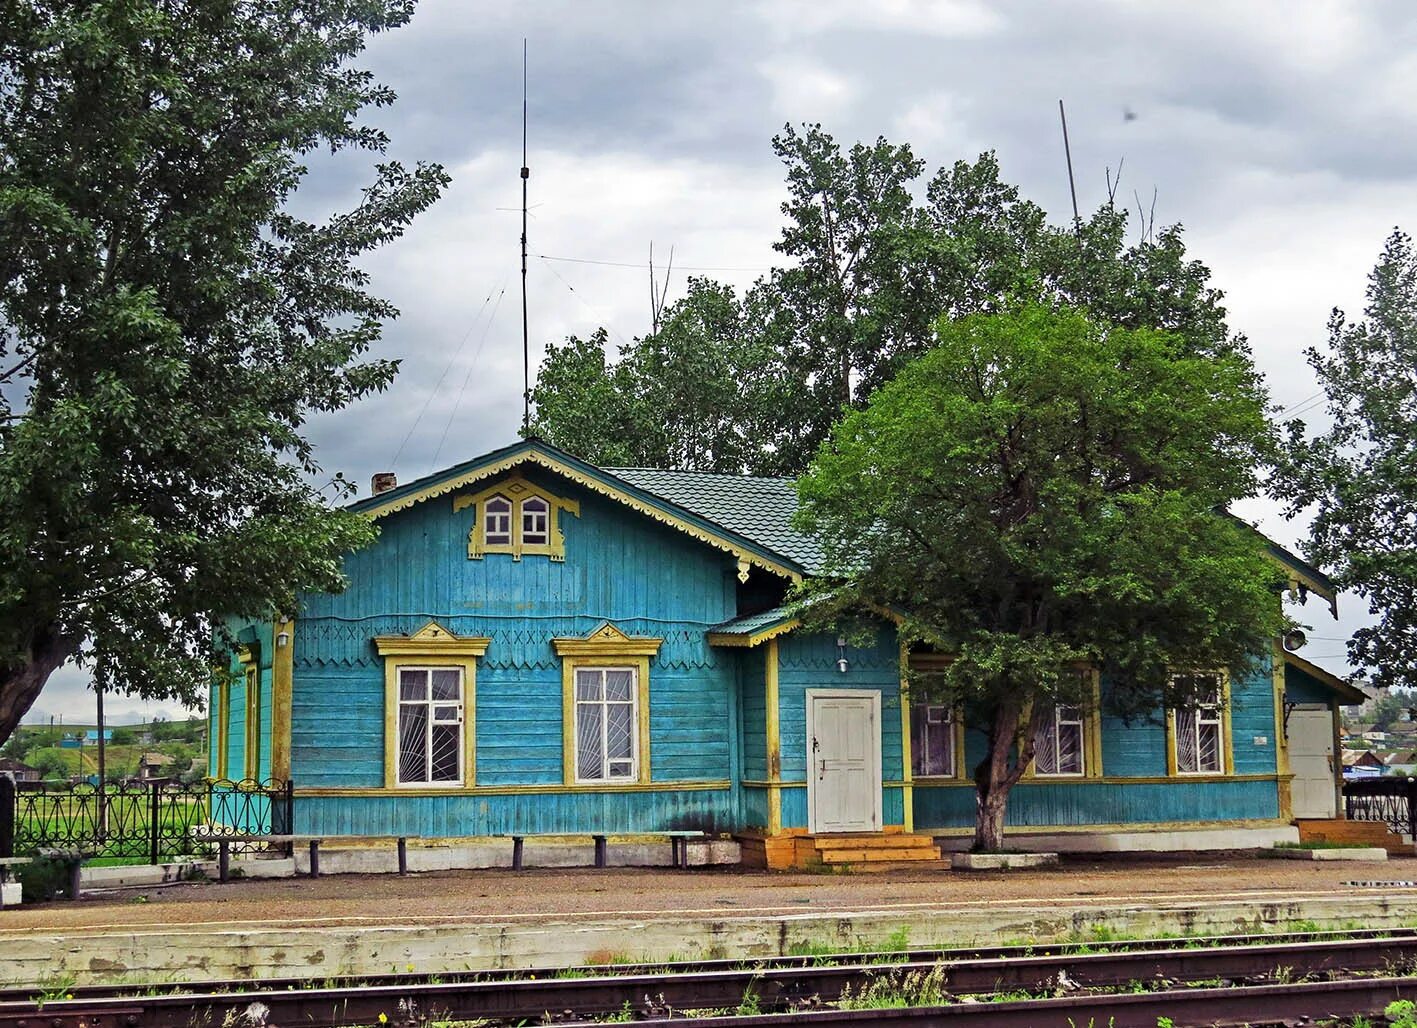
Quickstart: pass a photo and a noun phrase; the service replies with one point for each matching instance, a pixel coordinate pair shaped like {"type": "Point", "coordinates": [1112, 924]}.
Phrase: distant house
{"type": "Point", "coordinates": [18, 770]}
{"type": "Point", "coordinates": [154, 766]}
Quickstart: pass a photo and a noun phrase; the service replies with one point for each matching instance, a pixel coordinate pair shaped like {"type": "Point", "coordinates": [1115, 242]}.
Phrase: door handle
{"type": "Point", "coordinates": [821, 770]}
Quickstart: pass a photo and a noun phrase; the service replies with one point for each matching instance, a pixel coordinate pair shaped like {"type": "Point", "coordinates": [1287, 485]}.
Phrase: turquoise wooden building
{"type": "Point", "coordinates": [538, 645]}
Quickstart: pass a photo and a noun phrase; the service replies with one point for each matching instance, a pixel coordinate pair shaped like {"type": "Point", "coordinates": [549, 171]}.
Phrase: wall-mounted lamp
{"type": "Point", "coordinates": [841, 664]}
{"type": "Point", "coordinates": [282, 639]}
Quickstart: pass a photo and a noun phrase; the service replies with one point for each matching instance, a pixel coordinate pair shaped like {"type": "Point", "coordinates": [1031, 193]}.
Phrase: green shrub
{"type": "Point", "coordinates": [42, 879]}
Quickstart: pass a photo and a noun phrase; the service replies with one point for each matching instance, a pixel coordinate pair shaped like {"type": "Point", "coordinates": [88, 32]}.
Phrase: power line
{"type": "Point", "coordinates": [468, 377]}
{"type": "Point", "coordinates": [641, 266]}
{"type": "Point", "coordinates": [586, 305]}
{"type": "Point", "coordinates": [428, 400]}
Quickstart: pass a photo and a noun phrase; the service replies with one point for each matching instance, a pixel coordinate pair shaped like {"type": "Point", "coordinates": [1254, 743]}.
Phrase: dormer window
{"type": "Point", "coordinates": [536, 518]}
{"type": "Point", "coordinates": [497, 521]}
{"type": "Point", "coordinates": [518, 517]}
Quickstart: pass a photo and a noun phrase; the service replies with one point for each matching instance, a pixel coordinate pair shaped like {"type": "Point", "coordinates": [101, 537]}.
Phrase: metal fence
{"type": "Point", "coordinates": [1392, 800]}
{"type": "Point", "coordinates": [155, 821]}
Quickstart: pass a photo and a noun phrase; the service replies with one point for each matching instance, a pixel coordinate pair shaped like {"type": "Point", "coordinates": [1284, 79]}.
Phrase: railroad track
{"type": "Point", "coordinates": [806, 988]}
{"type": "Point", "coordinates": [27, 994]}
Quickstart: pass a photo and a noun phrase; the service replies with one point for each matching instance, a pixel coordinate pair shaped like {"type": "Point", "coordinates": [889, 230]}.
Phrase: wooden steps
{"type": "Point", "coordinates": [891, 850]}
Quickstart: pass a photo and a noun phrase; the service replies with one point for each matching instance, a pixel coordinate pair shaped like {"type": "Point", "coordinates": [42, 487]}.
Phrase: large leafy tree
{"type": "Point", "coordinates": [867, 270]}
{"type": "Point", "coordinates": [1040, 492]}
{"type": "Point", "coordinates": [1359, 475]}
{"type": "Point", "coordinates": [167, 322]}
{"type": "Point", "coordinates": [682, 396]}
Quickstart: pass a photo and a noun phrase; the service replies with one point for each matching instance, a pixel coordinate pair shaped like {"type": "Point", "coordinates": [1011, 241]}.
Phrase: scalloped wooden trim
{"type": "Point", "coordinates": [650, 510]}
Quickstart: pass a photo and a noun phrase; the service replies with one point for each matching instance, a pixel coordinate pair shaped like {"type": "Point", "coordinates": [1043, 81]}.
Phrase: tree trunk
{"type": "Point", "coordinates": [1012, 734]}
{"type": "Point", "coordinates": [20, 683]}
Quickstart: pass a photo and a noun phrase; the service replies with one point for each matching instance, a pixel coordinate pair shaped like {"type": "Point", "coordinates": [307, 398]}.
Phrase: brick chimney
{"type": "Point", "coordinates": [382, 482]}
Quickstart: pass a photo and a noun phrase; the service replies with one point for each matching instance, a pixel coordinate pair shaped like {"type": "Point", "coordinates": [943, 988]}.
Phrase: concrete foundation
{"type": "Point", "coordinates": [172, 953]}
{"type": "Point", "coordinates": [1170, 841]}
{"type": "Point", "coordinates": [1000, 861]}
{"type": "Point", "coordinates": [11, 894]}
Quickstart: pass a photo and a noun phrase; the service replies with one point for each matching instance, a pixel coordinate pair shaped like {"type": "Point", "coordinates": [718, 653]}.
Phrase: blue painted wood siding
{"type": "Point", "coordinates": [1135, 750]}
{"type": "Point", "coordinates": [645, 578]}
{"type": "Point", "coordinates": [1302, 687]}
{"type": "Point", "coordinates": [809, 661]}
{"type": "Point", "coordinates": [1041, 805]}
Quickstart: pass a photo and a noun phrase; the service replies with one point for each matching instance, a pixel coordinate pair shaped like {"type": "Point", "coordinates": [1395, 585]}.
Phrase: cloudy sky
{"type": "Point", "coordinates": [1282, 136]}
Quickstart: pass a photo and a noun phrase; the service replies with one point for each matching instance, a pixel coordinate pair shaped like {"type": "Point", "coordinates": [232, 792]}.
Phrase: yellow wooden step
{"type": "Point", "coordinates": [859, 856]}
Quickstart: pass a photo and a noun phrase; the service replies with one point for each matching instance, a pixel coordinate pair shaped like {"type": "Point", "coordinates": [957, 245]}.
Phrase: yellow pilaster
{"type": "Point", "coordinates": [907, 776]}
{"type": "Point", "coordinates": [282, 686]}
{"type": "Point", "coordinates": [1281, 741]}
{"type": "Point", "coordinates": [774, 741]}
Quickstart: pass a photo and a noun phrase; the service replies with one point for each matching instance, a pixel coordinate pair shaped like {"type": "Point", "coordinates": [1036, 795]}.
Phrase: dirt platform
{"type": "Point", "coordinates": [451, 920]}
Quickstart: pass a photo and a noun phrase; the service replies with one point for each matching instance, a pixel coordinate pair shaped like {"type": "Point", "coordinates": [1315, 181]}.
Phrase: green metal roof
{"type": "Point", "coordinates": [759, 509]}
{"type": "Point", "coordinates": [749, 624]}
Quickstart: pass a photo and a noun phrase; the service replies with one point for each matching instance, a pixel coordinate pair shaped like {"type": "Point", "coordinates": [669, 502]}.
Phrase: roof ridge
{"type": "Point", "coordinates": [695, 471]}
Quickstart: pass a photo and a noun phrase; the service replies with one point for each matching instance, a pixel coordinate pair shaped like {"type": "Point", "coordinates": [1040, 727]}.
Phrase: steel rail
{"type": "Point", "coordinates": [783, 988]}
{"type": "Point", "coordinates": [25, 994]}
{"type": "Point", "coordinates": [1252, 1006]}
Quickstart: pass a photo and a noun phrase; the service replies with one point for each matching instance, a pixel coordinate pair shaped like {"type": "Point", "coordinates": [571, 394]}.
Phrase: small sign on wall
{"type": "Point", "coordinates": [1261, 740]}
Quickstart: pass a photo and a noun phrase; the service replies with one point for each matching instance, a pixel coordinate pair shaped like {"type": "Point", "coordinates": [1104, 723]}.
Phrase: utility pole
{"type": "Point", "coordinates": [526, 337]}
{"type": "Point", "coordinates": [1068, 153]}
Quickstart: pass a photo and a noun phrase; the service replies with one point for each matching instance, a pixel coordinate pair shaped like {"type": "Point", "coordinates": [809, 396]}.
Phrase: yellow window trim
{"type": "Point", "coordinates": [607, 646]}
{"type": "Point", "coordinates": [251, 739]}
{"type": "Point", "coordinates": [516, 489]}
{"type": "Point", "coordinates": [223, 725]}
{"type": "Point", "coordinates": [1227, 744]}
{"type": "Point", "coordinates": [1091, 739]}
{"type": "Point", "coordinates": [432, 645]}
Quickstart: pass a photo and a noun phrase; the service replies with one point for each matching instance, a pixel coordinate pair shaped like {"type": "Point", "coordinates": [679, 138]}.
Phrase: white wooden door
{"type": "Point", "coordinates": [1311, 759]}
{"type": "Point", "coordinates": [843, 761]}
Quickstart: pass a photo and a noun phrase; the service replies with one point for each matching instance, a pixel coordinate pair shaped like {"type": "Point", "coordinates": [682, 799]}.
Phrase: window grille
{"type": "Point", "coordinates": [1058, 749]}
{"type": "Point", "coordinates": [605, 724]}
{"type": "Point", "coordinates": [430, 726]}
{"type": "Point", "coordinates": [1200, 747]}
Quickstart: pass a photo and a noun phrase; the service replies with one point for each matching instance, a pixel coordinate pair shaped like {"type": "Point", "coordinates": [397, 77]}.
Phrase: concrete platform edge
{"type": "Point", "coordinates": [166, 954]}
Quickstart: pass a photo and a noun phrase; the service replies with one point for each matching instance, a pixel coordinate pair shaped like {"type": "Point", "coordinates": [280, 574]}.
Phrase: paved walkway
{"type": "Point", "coordinates": [501, 896]}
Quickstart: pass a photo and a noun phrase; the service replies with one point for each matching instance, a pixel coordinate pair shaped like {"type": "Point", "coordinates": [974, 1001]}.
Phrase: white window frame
{"type": "Point", "coordinates": [1054, 728]}
{"type": "Point", "coordinates": [632, 703]}
{"type": "Point", "coordinates": [540, 535]}
{"type": "Point", "coordinates": [502, 518]}
{"type": "Point", "coordinates": [921, 713]}
{"type": "Point", "coordinates": [1201, 715]}
{"type": "Point", "coordinates": [429, 723]}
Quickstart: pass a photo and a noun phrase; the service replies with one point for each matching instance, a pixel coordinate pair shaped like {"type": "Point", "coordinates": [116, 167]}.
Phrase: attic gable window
{"type": "Point", "coordinates": [536, 520]}
{"type": "Point", "coordinates": [497, 521]}
{"type": "Point", "coordinates": [518, 517]}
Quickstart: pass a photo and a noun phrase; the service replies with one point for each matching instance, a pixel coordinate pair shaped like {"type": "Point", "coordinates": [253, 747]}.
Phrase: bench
{"type": "Point", "coordinates": [224, 842]}
{"type": "Point", "coordinates": [678, 846]}
{"type": "Point", "coordinates": [5, 864]}
{"type": "Point", "coordinates": [224, 850]}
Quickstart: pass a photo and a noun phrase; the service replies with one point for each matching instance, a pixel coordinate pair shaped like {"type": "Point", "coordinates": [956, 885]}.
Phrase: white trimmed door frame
{"type": "Point", "coordinates": [873, 762]}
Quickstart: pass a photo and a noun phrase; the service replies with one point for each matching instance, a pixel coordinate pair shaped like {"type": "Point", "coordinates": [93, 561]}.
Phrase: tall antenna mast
{"type": "Point", "coordinates": [526, 345]}
{"type": "Point", "coordinates": [1067, 152]}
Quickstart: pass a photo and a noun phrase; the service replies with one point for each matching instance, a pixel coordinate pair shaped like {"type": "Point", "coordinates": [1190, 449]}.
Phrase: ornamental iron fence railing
{"type": "Point", "coordinates": [1392, 800]}
{"type": "Point", "coordinates": [157, 821]}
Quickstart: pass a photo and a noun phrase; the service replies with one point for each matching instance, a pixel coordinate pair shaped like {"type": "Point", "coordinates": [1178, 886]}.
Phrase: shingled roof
{"type": "Point", "coordinates": [759, 509]}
